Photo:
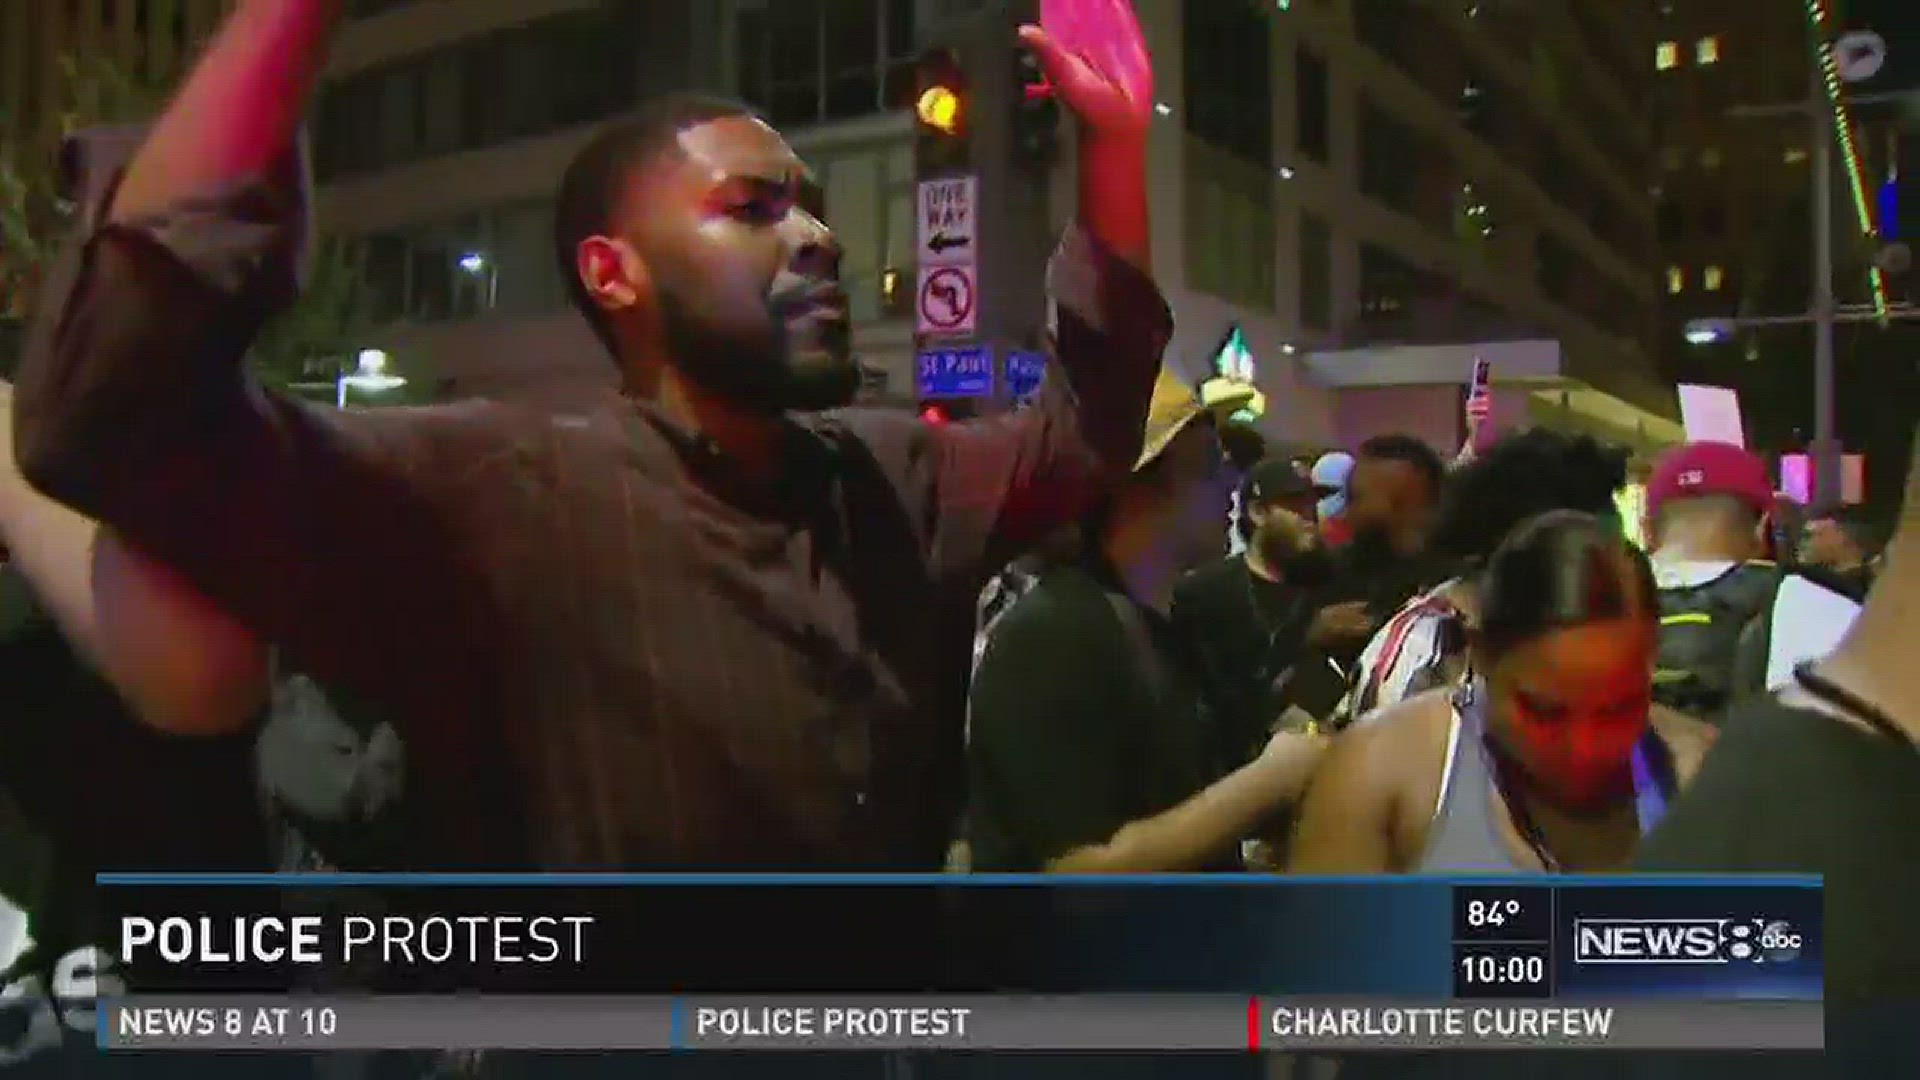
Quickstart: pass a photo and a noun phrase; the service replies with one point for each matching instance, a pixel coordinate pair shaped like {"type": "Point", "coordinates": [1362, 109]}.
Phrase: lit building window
{"type": "Point", "coordinates": [1666, 55]}
{"type": "Point", "coordinates": [1796, 155]}
{"type": "Point", "coordinates": [1710, 158]}
{"type": "Point", "coordinates": [1676, 279]}
{"type": "Point", "coordinates": [1707, 50]}
{"type": "Point", "coordinates": [1712, 278]}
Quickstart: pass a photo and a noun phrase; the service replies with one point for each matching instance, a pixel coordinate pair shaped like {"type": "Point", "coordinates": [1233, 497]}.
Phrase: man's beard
{"type": "Point", "coordinates": [756, 361]}
{"type": "Point", "coordinates": [1298, 560]}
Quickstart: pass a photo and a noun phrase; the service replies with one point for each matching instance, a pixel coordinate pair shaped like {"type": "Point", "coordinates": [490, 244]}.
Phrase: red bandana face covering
{"type": "Point", "coordinates": [1573, 746]}
{"type": "Point", "coordinates": [1576, 758]}
{"type": "Point", "coordinates": [1571, 717]}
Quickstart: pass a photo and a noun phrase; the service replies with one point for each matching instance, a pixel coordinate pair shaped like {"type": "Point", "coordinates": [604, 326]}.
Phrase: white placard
{"type": "Point", "coordinates": [1711, 414]}
{"type": "Point", "coordinates": [948, 301]}
{"type": "Point", "coordinates": [949, 221]}
{"type": "Point", "coordinates": [1808, 623]}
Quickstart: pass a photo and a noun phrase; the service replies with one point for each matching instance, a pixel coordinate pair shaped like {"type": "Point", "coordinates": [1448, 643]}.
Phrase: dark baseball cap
{"type": "Point", "coordinates": [1277, 480]}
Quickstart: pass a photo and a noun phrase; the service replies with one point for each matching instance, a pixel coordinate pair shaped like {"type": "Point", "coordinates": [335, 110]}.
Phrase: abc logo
{"type": "Point", "coordinates": [1775, 941]}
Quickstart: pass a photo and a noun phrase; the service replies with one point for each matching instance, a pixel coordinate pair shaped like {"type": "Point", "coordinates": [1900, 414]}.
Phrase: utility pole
{"type": "Point", "coordinates": [1823, 312]}
{"type": "Point", "coordinates": [1826, 444]}
{"type": "Point", "coordinates": [983, 228]}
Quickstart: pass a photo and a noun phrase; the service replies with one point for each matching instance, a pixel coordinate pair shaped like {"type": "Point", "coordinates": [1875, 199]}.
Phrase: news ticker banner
{"type": "Point", "coordinates": [1419, 938]}
{"type": "Point", "coordinates": [1083, 1024]}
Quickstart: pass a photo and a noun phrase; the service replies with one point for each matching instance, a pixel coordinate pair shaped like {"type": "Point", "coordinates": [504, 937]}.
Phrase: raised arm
{"type": "Point", "coordinates": [182, 254]}
{"type": "Point", "coordinates": [1026, 475]}
{"type": "Point", "coordinates": [182, 665]}
{"type": "Point", "coordinates": [1002, 483]}
{"type": "Point", "coordinates": [133, 407]}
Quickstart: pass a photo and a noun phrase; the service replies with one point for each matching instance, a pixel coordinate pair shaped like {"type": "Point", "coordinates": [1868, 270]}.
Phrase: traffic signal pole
{"type": "Point", "coordinates": [1012, 238]}
{"type": "Point", "coordinates": [1823, 311]}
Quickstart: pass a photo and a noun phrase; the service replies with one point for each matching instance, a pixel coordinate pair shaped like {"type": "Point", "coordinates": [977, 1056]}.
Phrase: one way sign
{"type": "Point", "coordinates": [949, 221]}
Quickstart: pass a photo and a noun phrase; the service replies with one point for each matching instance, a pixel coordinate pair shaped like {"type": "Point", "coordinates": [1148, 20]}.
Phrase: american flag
{"type": "Point", "coordinates": [1480, 396]}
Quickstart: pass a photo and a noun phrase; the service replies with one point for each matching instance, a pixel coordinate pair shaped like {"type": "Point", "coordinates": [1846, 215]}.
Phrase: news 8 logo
{"type": "Point", "coordinates": [1685, 941]}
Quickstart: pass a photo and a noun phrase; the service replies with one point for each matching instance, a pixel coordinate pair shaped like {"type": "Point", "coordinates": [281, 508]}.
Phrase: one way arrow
{"type": "Point", "coordinates": [941, 243]}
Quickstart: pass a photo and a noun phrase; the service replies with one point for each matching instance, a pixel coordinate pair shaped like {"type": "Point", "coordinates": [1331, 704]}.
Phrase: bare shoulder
{"type": "Point", "coordinates": [1687, 739]}
{"type": "Point", "coordinates": [1361, 813]}
{"type": "Point", "coordinates": [1402, 745]}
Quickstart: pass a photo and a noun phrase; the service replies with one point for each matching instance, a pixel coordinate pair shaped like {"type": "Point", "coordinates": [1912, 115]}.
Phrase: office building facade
{"type": "Point", "coordinates": [66, 63]}
{"type": "Point", "coordinates": [1735, 157]}
{"type": "Point", "coordinates": [1371, 190]}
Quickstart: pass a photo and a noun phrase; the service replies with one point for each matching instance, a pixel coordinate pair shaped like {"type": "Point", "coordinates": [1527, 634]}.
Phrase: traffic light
{"type": "Point", "coordinates": [942, 118]}
{"type": "Point", "coordinates": [1036, 112]}
{"type": "Point", "coordinates": [947, 410]}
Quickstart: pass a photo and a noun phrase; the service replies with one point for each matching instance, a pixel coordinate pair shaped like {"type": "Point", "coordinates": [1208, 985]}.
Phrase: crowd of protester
{"type": "Point", "coordinates": [713, 620]}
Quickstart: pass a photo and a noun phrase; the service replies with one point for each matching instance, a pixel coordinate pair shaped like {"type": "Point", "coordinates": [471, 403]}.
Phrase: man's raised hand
{"type": "Point", "coordinates": [1096, 58]}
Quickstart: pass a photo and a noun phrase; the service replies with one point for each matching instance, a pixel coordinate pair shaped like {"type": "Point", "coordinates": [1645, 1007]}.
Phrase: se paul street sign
{"type": "Point", "coordinates": [966, 371]}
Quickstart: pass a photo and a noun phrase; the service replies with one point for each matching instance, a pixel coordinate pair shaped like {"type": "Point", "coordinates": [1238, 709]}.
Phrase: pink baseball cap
{"type": "Point", "coordinates": [1710, 468]}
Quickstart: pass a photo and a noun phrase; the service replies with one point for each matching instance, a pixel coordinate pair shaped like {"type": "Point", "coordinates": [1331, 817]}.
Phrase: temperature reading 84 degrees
{"type": "Point", "coordinates": [1492, 913]}
{"type": "Point", "coordinates": [1502, 913]}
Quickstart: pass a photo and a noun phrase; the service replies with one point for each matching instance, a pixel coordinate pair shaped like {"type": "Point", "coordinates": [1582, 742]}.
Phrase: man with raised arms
{"type": "Point", "coordinates": [709, 619]}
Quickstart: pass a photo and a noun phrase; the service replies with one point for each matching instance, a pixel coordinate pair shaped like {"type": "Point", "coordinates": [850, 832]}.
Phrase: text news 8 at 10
{"type": "Point", "coordinates": [978, 962]}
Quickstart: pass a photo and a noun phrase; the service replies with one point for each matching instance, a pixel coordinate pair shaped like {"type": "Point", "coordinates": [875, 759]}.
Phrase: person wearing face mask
{"type": "Point", "coordinates": [1551, 756]}
{"type": "Point", "coordinates": [708, 619]}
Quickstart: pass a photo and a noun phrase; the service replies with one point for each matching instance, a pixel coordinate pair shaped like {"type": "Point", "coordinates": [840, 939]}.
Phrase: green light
{"type": "Point", "coordinates": [1234, 360]}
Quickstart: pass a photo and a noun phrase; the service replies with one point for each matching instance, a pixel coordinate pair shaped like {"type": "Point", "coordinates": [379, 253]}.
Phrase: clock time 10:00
{"type": "Point", "coordinates": [1497, 969]}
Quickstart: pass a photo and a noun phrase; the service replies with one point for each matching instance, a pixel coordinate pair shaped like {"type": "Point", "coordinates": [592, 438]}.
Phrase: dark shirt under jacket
{"type": "Point", "coordinates": [601, 651]}
{"type": "Point", "coordinates": [1384, 580]}
{"type": "Point", "coordinates": [1076, 731]}
{"type": "Point", "coordinates": [1246, 634]}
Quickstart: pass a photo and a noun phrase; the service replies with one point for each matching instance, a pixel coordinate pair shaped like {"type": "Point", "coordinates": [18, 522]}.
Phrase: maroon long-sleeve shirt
{"type": "Point", "coordinates": [602, 647]}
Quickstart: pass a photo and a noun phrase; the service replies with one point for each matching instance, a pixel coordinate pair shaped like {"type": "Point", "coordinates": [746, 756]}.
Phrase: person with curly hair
{"type": "Point", "coordinates": [1520, 477]}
